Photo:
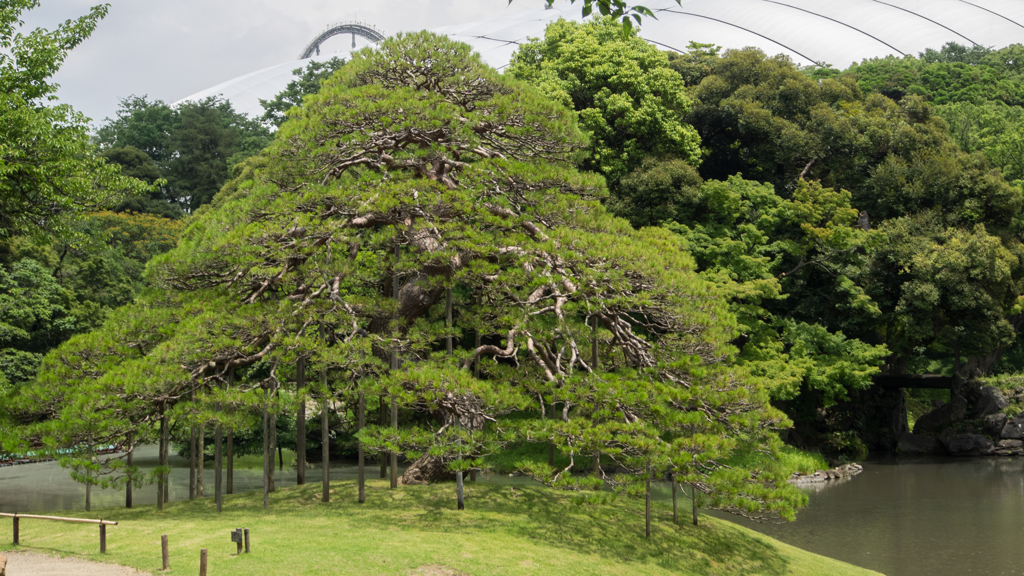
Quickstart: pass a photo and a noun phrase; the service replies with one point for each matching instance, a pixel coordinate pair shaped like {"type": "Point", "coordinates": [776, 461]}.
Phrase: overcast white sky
{"type": "Point", "coordinates": [173, 48]}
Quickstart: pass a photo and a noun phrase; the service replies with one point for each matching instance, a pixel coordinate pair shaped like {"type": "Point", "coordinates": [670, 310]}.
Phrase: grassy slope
{"type": "Point", "coordinates": [415, 530]}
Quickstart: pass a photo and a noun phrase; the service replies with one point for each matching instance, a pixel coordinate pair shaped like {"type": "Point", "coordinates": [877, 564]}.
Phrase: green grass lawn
{"type": "Point", "coordinates": [416, 530]}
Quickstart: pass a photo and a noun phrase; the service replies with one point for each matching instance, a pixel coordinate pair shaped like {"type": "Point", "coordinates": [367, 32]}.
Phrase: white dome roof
{"type": "Point", "coordinates": [837, 32]}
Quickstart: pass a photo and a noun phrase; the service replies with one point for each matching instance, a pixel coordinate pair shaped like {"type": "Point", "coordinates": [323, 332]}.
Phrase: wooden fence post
{"type": "Point", "coordinates": [15, 530]}
{"type": "Point", "coordinates": [165, 552]}
{"type": "Point", "coordinates": [103, 538]}
{"type": "Point", "coordinates": [202, 562]}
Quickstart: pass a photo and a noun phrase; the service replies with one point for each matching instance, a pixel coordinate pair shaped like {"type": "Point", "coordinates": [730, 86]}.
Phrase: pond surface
{"type": "Point", "coordinates": [46, 487]}
{"type": "Point", "coordinates": [927, 517]}
{"type": "Point", "coordinates": [933, 517]}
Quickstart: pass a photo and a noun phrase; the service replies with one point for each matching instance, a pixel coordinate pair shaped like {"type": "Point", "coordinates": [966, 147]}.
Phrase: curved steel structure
{"type": "Point", "coordinates": [354, 28]}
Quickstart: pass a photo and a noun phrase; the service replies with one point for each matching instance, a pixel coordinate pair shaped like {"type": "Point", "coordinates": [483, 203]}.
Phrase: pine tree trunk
{"type": "Point", "coordinates": [394, 457]}
{"type": "Point", "coordinates": [382, 455]}
{"type": "Point", "coordinates": [647, 502]}
{"type": "Point", "coordinates": [200, 454]}
{"type": "Point", "coordinates": [693, 489]}
{"type": "Point", "coordinates": [675, 503]}
{"type": "Point", "coordinates": [88, 477]}
{"type": "Point", "coordinates": [394, 366]}
{"type": "Point", "coordinates": [325, 449]}
{"type": "Point", "coordinates": [218, 465]}
{"type": "Point", "coordinates": [460, 500]}
{"type": "Point", "coordinates": [165, 455]}
{"type": "Point", "coordinates": [266, 450]}
{"type": "Point", "coordinates": [300, 423]}
{"type": "Point", "coordinates": [230, 449]}
{"type": "Point", "coordinates": [192, 464]}
{"type": "Point", "coordinates": [230, 458]}
{"type": "Point", "coordinates": [362, 453]}
{"type": "Point", "coordinates": [130, 461]}
{"type": "Point", "coordinates": [273, 449]}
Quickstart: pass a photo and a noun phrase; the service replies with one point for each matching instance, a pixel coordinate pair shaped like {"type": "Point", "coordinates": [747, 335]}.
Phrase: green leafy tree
{"type": "Point", "coordinates": [194, 146]}
{"type": "Point", "coordinates": [49, 172]}
{"type": "Point", "coordinates": [307, 81]}
{"type": "Point", "coordinates": [629, 102]}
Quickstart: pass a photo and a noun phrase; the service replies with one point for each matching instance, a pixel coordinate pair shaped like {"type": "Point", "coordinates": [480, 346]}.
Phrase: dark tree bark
{"type": "Point", "coordinates": [300, 423]}
{"type": "Point", "coordinates": [675, 503]}
{"type": "Point", "coordinates": [693, 489]}
{"type": "Point", "coordinates": [647, 505]}
{"type": "Point", "coordinates": [88, 477]}
{"type": "Point", "coordinates": [192, 464]}
{"type": "Point", "coordinates": [394, 366]}
{"type": "Point", "coordinates": [271, 449]}
{"type": "Point", "coordinates": [325, 447]}
{"type": "Point", "coordinates": [230, 455]}
{"type": "Point", "coordinates": [130, 461]}
{"type": "Point", "coordinates": [382, 420]}
{"type": "Point", "coordinates": [165, 454]}
{"type": "Point", "coordinates": [218, 457]}
{"type": "Point", "coordinates": [362, 453]}
{"type": "Point", "coordinates": [266, 451]}
{"type": "Point", "coordinates": [200, 453]}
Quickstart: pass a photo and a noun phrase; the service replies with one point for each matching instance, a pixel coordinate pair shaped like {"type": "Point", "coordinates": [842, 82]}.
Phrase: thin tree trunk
{"type": "Point", "coordinates": [266, 450]}
{"type": "Point", "coordinates": [647, 502]}
{"type": "Point", "coordinates": [594, 365]}
{"type": "Point", "coordinates": [218, 464]}
{"type": "Point", "coordinates": [280, 457]}
{"type": "Point", "coordinates": [394, 367]}
{"type": "Point", "coordinates": [675, 503]}
{"type": "Point", "coordinates": [88, 476]}
{"type": "Point", "coordinates": [200, 459]}
{"type": "Point", "coordinates": [693, 490]}
{"type": "Point", "coordinates": [273, 449]}
{"type": "Point", "coordinates": [230, 449]}
{"type": "Point", "coordinates": [165, 455]}
{"type": "Point", "coordinates": [476, 374]}
{"type": "Point", "coordinates": [325, 446]}
{"type": "Point", "coordinates": [394, 457]}
{"type": "Point", "coordinates": [229, 457]}
{"type": "Point", "coordinates": [130, 461]}
{"type": "Point", "coordinates": [382, 420]}
{"type": "Point", "coordinates": [362, 453]}
{"type": "Point", "coordinates": [300, 423]}
{"type": "Point", "coordinates": [192, 464]}
{"type": "Point", "coordinates": [448, 346]}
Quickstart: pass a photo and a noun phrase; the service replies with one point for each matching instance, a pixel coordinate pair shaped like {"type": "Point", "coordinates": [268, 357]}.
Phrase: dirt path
{"type": "Point", "coordinates": [34, 564]}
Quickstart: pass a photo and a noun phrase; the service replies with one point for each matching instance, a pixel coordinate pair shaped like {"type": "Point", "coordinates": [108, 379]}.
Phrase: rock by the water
{"type": "Point", "coordinates": [986, 401]}
{"type": "Point", "coordinates": [941, 418]}
{"type": "Point", "coordinates": [837, 473]}
{"type": "Point", "coordinates": [427, 470]}
{"type": "Point", "coordinates": [969, 445]}
{"type": "Point", "coordinates": [993, 424]}
{"type": "Point", "coordinates": [1010, 448]}
{"type": "Point", "coordinates": [911, 444]}
{"type": "Point", "coordinates": [1014, 429]}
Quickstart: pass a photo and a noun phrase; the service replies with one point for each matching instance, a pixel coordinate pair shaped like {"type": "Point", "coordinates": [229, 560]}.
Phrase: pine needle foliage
{"type": "Point", "coordinates": [418, 172]}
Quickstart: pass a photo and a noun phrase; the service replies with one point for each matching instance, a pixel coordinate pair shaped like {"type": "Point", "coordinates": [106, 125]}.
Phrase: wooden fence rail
{"type": "Point", "coordinates": [102, 523]}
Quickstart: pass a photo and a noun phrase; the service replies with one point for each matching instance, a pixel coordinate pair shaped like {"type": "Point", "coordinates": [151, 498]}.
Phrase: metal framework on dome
{"type": "Point", "coordinates": [360, 29]}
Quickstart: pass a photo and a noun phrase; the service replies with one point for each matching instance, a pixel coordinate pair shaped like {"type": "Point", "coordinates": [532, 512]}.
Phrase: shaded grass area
{"type": "Point", "coordinates": [791, 460]}
{"type": "Point", "coordinates": [416, 530]}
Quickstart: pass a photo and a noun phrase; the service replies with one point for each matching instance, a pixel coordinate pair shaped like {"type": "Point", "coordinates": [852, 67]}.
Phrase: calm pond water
{"type": "Point", "coordinates": [902, 518]}
{"type": "Point", "coordinates": [927, 517]}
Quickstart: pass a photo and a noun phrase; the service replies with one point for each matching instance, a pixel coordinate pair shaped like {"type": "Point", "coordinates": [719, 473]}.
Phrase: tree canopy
{"type": "Point", "coordinates": [49, 173]}
{"type": "Point", "coordinates": [419, 175]}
